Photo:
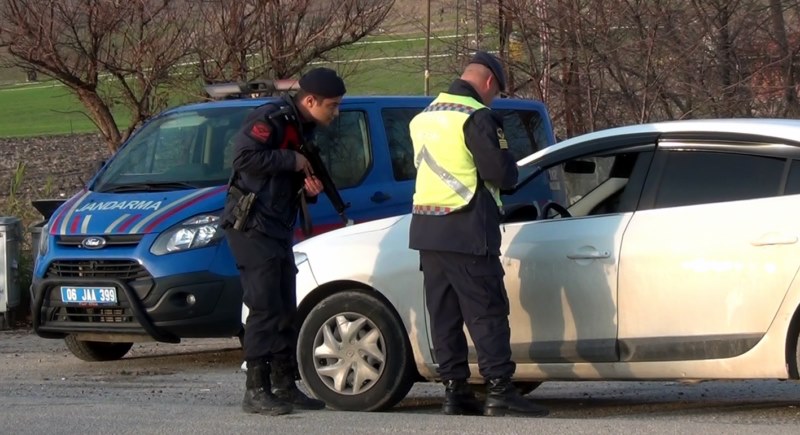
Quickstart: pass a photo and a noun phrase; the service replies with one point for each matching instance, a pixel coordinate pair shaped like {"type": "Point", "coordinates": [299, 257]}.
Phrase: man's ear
{"type": "Point", "coordinates": [308, 100]}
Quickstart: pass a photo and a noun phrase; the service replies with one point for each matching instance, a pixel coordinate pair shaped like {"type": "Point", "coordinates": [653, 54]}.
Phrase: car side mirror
{"type": "Point", "coordinates": [579, 167]}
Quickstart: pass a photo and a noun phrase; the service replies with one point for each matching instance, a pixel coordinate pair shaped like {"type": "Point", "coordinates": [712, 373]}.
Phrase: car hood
{"type": "Point", "coordinates": [342, 233]}
{"type": "Point", "coordinates": [90, 212]}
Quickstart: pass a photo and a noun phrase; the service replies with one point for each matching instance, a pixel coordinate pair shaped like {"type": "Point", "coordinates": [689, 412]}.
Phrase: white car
{"type": "Point", "coordinates": [676, 260]}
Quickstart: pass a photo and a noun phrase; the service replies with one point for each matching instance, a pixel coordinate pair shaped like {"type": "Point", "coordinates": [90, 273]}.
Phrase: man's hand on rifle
{"type": "Point", "coordinates": [301, 163]}
{"type": "Point", "coordinates": [313, 186]}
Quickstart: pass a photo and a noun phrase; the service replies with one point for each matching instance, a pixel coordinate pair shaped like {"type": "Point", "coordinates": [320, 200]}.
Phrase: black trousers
{"type": "Point", "coordinates": [268, 273]}
{"type": "Point", "coordinates": [469, 289]}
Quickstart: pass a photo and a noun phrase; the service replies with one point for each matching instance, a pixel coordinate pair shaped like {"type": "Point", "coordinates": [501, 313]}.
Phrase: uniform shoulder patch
{"type": "Point", "coordinates": [260, 131]}
{"type": "Point", "coordinates": [501, 137]}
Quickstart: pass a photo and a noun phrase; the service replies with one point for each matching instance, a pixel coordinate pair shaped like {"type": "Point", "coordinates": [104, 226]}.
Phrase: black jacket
{"type": "Point", "coordinates": [264, 163]}
{"type": "Point", "coordinates": [475, 229]}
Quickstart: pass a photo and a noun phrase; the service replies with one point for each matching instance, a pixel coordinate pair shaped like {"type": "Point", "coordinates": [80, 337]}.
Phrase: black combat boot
{"type": "Point", "coordinates": [459, 399]}
{"type": "Point", "coordinates": [503, 398]}
{"type": "Point", "coordinates": [258, 399]}
{"type": "Point", "coordinates": [285, 388]}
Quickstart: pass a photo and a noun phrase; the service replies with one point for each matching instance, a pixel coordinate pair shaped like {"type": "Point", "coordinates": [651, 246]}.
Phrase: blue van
{"type": "Point", "coordinates": [137, 254]}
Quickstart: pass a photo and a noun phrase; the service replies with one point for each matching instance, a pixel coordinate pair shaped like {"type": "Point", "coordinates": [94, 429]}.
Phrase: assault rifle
{"type": "Point", "coordinates": [311, 152]}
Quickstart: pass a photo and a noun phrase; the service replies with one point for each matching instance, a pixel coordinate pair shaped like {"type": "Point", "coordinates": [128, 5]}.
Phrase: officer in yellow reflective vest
{"type": "Point", "coordinates": [462, 159]}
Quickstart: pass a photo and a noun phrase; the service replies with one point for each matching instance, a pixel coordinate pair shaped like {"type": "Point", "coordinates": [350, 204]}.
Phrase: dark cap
{"type": "Point", "coordinates": [491, 62]}
{"type": "Point", "coordinates": [323, 82]}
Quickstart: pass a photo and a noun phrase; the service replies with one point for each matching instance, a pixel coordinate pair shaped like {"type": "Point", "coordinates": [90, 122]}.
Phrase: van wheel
{"type": "Point", "coordinates": [96, 350]}
{"type": "Point", "coordinates": [353, 353]}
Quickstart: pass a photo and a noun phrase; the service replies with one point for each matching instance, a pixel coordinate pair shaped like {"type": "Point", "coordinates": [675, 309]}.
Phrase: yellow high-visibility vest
{"type": "Point", "coordinates": [446, 174]}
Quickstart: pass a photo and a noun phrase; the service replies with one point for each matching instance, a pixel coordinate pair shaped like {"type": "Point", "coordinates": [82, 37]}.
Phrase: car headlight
{"type": "Point", "coordinates": [44, 238]}
{"type": "Point", "coordinates": [196, 232]}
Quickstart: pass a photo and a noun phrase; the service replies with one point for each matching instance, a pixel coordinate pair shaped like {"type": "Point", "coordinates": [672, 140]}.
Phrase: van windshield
{"type": "Point", "coordinates": [178, 151]}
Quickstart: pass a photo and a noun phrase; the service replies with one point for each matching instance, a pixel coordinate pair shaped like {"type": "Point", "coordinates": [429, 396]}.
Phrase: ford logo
{"type": "Point", "coordinates": [93, 242]}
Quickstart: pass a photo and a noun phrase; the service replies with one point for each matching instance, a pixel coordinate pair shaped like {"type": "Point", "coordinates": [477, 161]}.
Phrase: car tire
{"type": "Point", "coordinates": [96, 350]}
{"type": "Point", "coordinates": [350, 335]}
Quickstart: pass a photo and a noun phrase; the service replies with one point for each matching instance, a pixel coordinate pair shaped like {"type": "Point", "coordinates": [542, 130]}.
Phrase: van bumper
{"type": "Point", "coordinates": [190, 305]}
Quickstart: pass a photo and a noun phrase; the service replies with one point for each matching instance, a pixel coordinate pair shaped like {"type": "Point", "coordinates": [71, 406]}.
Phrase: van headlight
{"type": "Point", "coordinates": [196, 232]}
{"type": "Point", "coordinates": [44, 238]}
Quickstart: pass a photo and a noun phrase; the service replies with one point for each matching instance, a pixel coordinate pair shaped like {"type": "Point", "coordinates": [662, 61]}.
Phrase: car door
{"type": "Point", "coordinates": [561, 272]}
{"type": "Point", "coordinates": [707, 261]}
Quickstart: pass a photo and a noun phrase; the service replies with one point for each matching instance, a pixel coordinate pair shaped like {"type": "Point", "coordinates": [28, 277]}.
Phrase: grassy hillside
{"type": "Point", "coordinates": [391, 63]}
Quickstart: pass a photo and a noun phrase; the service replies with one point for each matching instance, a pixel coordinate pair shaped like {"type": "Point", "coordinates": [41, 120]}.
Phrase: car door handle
{"type": "Point", "coordinates": [593, 255]}
{"type": "Point", "coordinates": [379, 197]}
{"type": "Point", "coordinates": [774, 239]}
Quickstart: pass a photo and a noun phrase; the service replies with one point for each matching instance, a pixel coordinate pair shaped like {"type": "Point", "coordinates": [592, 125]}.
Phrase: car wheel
{"type": "Point", "coordinates": [794, 366]}
{"type": "Point", "coordinates": [96, 350]}
{"type": "Point", "coordinates": [353, 353]}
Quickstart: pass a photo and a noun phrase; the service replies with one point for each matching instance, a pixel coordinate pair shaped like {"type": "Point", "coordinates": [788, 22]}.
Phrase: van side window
{"type": "Point", "coordinates": [525, 131]}
{"type": "Point", "coordinates": [401, 150]}
{"type": "Point", "coordinates": [345, 148]}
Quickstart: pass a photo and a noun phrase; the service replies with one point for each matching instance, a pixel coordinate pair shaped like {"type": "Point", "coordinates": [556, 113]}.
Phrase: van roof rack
{"type": "Point", "coordinates": [252, 89]}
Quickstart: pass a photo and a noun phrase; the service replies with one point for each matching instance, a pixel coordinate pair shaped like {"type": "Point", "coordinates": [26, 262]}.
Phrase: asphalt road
{"type": "Point", "coordinates": [196, 387]}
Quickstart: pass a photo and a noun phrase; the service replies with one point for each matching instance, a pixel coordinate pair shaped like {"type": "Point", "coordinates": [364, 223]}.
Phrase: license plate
{"type": "Point", "coordinates": [89, 295]}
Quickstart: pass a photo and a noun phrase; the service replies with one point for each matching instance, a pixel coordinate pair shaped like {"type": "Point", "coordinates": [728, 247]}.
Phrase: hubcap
{"type": "Point", "coordinates": [349, 353]}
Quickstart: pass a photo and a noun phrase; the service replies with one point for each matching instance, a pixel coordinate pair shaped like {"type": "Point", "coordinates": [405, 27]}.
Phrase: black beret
{"type": "Point", "coordinates": [323, 82]}
{"type": "Point", "coordinates": [491, 62]}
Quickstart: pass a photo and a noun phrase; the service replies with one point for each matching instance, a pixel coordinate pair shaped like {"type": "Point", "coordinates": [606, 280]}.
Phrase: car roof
{"type": "Point", "coordinates": [784, 130]}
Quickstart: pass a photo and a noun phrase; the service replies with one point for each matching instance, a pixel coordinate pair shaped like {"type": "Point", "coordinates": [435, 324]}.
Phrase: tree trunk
{"type": "Point", "coordinates": [101, 116]}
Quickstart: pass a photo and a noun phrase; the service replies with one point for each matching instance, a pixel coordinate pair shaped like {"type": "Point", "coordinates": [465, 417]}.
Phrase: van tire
{"type": "Point", "coordinates": [96, 350]}
{"type": "Point", "coordinates": [385, 350]}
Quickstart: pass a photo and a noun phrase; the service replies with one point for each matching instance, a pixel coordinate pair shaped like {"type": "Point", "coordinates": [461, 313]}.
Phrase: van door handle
{"type": "Point", "coordinates": [380, 197]}
{"type": "Point", "coordinates": [594, 255]}
{"type": "Point", "coordinates": [774, 239]}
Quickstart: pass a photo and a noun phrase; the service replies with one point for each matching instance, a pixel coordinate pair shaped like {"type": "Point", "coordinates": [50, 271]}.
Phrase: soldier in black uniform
{"type": "Point", "coordinates": [266, 164]}
{"type": "Point", "coordinates": [459, 256]}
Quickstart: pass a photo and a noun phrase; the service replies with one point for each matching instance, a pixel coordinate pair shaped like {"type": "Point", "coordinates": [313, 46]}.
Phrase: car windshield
{"type": "Point", "coordinates": [181, 150]}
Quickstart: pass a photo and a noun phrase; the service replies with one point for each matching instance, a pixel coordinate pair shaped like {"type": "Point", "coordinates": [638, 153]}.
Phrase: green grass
{"type": "Point", "coordinates": [47, 108]}
{"type": "Point", "coordinates": [42, 109]}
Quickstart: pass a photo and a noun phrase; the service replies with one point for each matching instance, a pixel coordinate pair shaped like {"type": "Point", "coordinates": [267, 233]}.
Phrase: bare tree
{"type": "Point", "coordinates": [106, 51]}
{"type": "Point", "coordinates": [247, 39]}
{"type": "Point", "coordinates": [226, 37]}
{"type": "Point", "coordinates": [600, 63]}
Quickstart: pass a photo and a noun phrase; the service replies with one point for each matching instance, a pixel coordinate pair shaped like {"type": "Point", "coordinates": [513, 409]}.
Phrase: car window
{"type": "Point", "coordinates": [614, 185]}
{"type": "Point", "coordinates": [595, 184]}
{"type": "Point", "coordinates": [793, 183]}
{"type": "Point", "coordinates": [345, 148]}
{"type": "Point", "coordinates": [698, 177]}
